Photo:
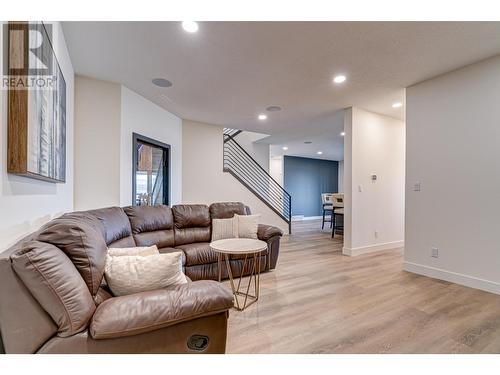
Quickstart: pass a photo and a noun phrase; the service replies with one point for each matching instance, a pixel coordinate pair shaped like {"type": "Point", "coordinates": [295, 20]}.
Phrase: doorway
{"type": "Point", "coordinates": [150, 172]}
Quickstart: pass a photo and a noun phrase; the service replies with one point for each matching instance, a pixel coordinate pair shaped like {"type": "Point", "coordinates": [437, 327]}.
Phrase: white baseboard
{"type": "Point", "coordinates": [372, 248]}
{"type": "Point", "coordinates": [453, 277]}
{"type": "Point", "coordinates": [301, 218]}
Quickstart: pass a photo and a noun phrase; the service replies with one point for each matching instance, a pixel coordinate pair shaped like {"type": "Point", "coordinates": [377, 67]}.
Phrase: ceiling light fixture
{"type": "Point", "coordinates": [284, 148]}
{"type": "Point", "coordinates": [161, 82]}
{"type": "Point", "coordinates": [262, 117]}
{"type": "Point", "coordinates": [342, 134]}
{"type": "Point", "coordinates": [274, 108]}
{"type": "Point", "coordinates": [397, 105]}
{"type": "Point", "coordinates": [190, 26]}
{"type": "Point", "coordinates": [339, 79]}
{"type": "Point", "coordinates": [307, 142]}
{"type": "Point", "coordinates": [320, 152]}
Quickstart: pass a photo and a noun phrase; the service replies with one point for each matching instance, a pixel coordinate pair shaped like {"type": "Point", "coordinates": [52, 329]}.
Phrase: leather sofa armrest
{"type": "Point", "coordinates": [149, 311]}
{"type": "Point", "coordinates": [266, 232]}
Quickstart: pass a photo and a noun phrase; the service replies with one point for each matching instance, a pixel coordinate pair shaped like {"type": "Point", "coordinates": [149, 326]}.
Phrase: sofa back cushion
{"type": "Point", "coordinates": [151, 225]}
{"type": "Point", "coordinates": [24, 324]}
{"type": "Point", "coordinates": [226, 210]}
{"type": "Point", "coordinates": [118, 232]}
{"type": "Point", "coordinates": [82, 243]}
{"type": "Point", "coordinates": [191, 223]}
{"type": "Point", "coordinates": [56, 284]}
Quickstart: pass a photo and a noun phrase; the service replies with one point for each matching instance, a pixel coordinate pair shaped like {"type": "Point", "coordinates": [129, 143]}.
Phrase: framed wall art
{"type": "Point", "coordinates": [36, 104]}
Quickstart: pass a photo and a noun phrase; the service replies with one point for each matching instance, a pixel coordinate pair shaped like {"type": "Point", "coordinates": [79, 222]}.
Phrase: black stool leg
{"type": "Point", "coordinates": [323, 222]}
{"type": "Point", "coordinates": [334, 221]}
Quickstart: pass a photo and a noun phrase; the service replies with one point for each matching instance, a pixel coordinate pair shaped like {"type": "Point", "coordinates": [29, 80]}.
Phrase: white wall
{"type": "Point", "coordinates": [376, 146]}
{"type": "Point", "coordinates": [276, 165]}
{"type": "Point", "coordinates": [25, 203]}
{"type": "Point", "coordinates": [259, 151]}
{"type": "Point", "coordinates": [453, 150]}
{"type": "Point", "coordinates": [341, 177]}
{"type": "Point", "coordinates": [203, 179]}
{"type": "Point", "coordinates": [141, 116]}
{"type": "Point", "coordinates": [107, 115]}
{"type": "Point", "coordinates": [97, 143]}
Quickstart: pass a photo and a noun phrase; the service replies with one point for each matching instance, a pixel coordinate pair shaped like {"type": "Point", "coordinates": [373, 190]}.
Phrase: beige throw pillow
{"type": "Point", "coordinates": [134, 274]}
{"type": "Point", "coordinates": [224, 228]}
{"type": "Point", "coordinates": [247, 225]}
{"type": "Point", "coordinates": [128, 251]}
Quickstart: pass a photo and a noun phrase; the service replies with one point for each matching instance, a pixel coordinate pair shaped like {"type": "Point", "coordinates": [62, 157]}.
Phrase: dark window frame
{"type": "Point", "coordinates": [138, 138]}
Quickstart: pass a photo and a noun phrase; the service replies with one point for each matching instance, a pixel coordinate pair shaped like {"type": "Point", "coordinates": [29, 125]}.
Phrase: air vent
{"type": "Point", "coordinates": [161, 82]}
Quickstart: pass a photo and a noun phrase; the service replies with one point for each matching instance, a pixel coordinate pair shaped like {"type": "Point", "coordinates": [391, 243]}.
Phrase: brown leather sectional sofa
{"type": "Point", "coordinates": [53, 300]}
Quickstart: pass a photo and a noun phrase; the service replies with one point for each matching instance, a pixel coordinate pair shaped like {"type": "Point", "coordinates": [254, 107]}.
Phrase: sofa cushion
{"type": "Point", "coordinates": [224, 228]}
{"type": "Point", "coordinates": [82, 244]}
{"type": "Point", "coordinates": [123, 242]}
{"type": "Point", "coordinates": [128, 251]}
{"type": "Point", "coordinates": [160, 238]}
{"type": "Point", "coordinates": [166, 250]}
{"type": "Point", "coordinates": [149, 218]}
{"type": "Point", "coordinates": [247, 225]}
{"type": "Point", "coordinates": [151, 225]}
{"type": "Point", "coordinates": [191, 223]}
{"type": "Point", "coordinates": [134, 274]}
{"type": "Point", "coordinates": [266, 232]}
{"type": "Point", "coordinates": [88, 218]}
{"type": "Point", "coordinates": [198, 253]}
{"type": "Point", "coordinates": [56, 284]}
{"type": "Point", "coordinates": [226, 210]}
{"type": "Point", "coordinates": [116, 223]}
{"type": "Point", "coordinates": [147, 311]}
{"type": "Point", "coordinates": [191, 215]}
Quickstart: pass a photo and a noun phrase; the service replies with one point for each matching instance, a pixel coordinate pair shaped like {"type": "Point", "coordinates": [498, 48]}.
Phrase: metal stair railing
{"type": "Point", "coordinates": [242, 166]}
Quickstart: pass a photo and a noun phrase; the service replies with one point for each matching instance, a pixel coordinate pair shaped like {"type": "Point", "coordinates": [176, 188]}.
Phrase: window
{"type": "Point", "coordinates": [150, 172]}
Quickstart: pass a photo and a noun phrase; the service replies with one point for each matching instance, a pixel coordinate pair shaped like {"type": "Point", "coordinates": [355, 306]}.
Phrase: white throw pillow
{"type": "Point", "coordinates": [134, 274]}
{"type": "Point", "coordinates": [247, 225]}
{"type": "Point", "coordinates": [224, 228]}
{"type": "Point", "coordinates": [128, 251]}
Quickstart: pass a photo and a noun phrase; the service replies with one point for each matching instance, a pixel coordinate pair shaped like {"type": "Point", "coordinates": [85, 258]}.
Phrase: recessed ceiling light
{"type": "Point", "coordinates": [342, 134]}
{"type": "Point", "coordinates": [274, 108]}
{"type": "Point", "coordinates": [339, 79]}
{"type": "Point", "coordinates": [262, 116]}
{"type": "Point", "coordinates": [397, 105]}
{"type": "Point", "coordinates": [161, 82]}
{"type": "Point", "coordinates": [320, 152]}
{"type": "Point", "coordinates": [285, 148]}
{"type": "Point", "coordinates": [190, 26]}
{"type": "Point", "coordinates": [307, 142]}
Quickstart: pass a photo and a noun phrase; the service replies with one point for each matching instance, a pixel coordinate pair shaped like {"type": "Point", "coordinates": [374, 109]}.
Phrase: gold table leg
{"type": "Point", "coordinates": [254, 273]}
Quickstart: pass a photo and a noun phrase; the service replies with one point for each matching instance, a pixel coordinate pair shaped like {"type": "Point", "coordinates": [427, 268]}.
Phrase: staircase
{"type": "Point", "coordinates": [246, 170]}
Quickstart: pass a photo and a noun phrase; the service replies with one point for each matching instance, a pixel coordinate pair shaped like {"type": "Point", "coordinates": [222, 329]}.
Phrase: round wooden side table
{"type": "Point", "coordinates": [251, 248]}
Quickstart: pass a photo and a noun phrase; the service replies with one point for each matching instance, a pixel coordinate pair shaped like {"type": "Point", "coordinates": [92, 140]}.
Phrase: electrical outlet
{"type": "Point", "coordinates": [434, 252]}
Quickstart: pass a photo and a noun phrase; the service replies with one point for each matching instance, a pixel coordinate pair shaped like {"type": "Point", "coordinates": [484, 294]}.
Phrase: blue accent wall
{"type": "Point", "coordinates": [306, 179]}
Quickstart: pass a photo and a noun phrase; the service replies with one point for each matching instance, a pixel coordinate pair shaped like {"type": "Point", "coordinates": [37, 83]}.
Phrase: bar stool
{"type": "Point", "coordinates": [327, 203]}
{"type": "Point", "coordinates": [338, 210]}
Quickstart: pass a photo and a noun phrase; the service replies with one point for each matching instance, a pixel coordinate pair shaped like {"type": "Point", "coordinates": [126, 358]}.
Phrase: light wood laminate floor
{"type": "Point", "coordinates": [319, 301]}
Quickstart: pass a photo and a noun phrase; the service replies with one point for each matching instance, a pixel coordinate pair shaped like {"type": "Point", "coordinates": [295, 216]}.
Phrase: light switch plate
{"type": "Point", "coordinates": [434, 252]}
{"type": "Point", "coordinates": [417, 186]}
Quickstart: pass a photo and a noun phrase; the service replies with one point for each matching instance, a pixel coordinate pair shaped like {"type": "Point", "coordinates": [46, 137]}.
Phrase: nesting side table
{"type": "Point", "coordinates": [251, 248]}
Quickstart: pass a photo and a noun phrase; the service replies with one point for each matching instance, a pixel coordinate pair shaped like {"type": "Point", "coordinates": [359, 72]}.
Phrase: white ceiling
{"type": "Point", "coordinates": [229, 72]}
